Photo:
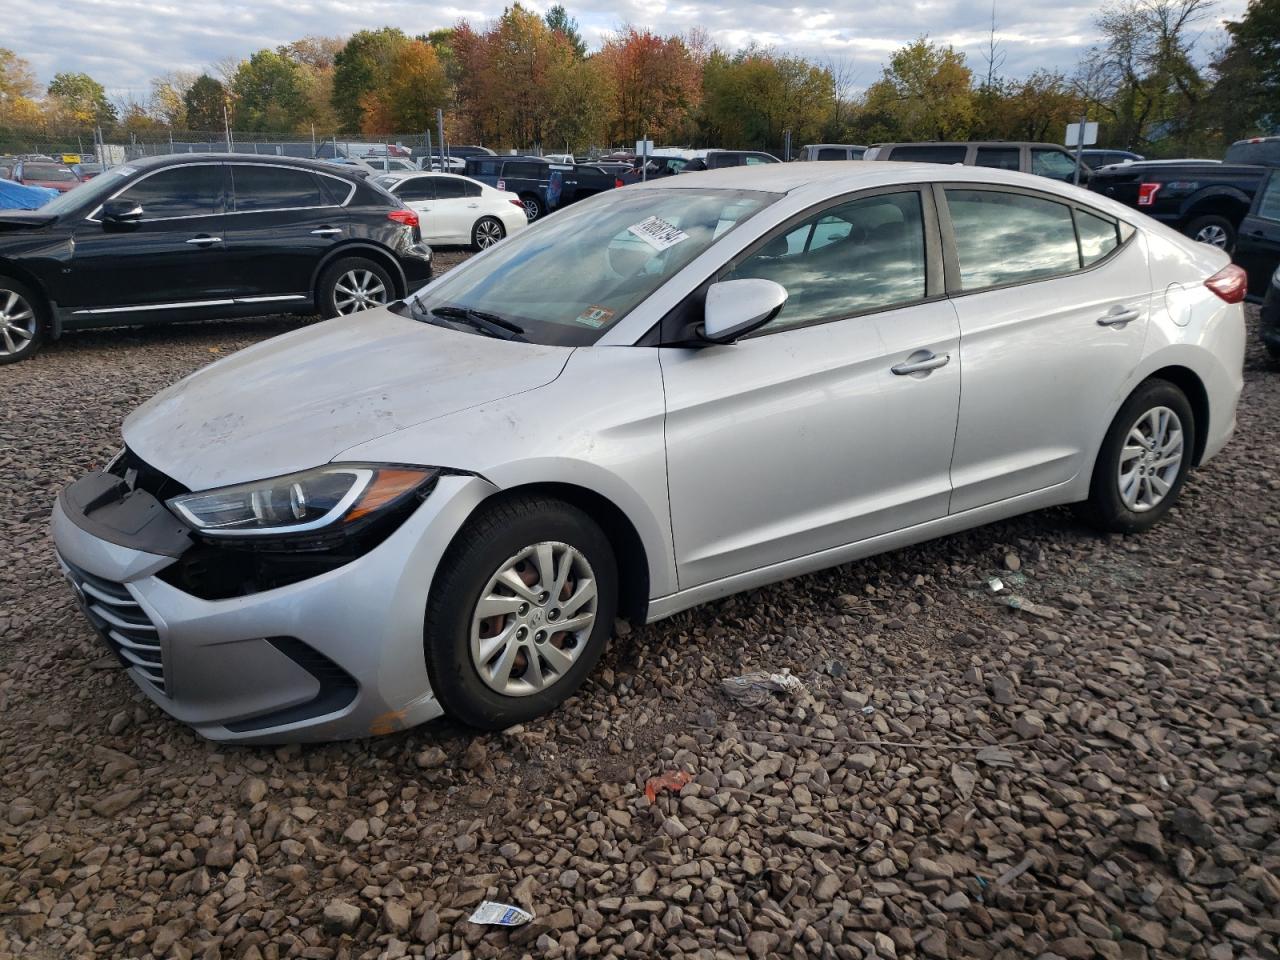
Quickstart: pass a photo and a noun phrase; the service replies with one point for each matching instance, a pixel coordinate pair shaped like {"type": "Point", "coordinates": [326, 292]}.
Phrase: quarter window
{"type": "Point", "coordinates": [867, 254]}
{"type": "Point", "coordinates": [1053, 164]}
{"type": "Point", "coordinates": [186, 191]}
{"type": "Point", "coordinates": [274, 188]}
{"type": "Point", "coordinates": [1010, 237]}
{"type": "Point", "coordinates": [1098, 237]}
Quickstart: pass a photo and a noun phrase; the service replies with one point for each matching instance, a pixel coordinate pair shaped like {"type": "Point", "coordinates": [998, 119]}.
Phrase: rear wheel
{"type": "Point", "coordinates": [487, 232]}
{"type": "Point", "coordinates": [22, 321]}
{"type": "Point", "coordinates": [353, 284]}
{"type": "Point", "coordinates": [1213, 229]}
{"type": "Point", "coordinates": [520, 611]}
{"type": "Point", "coordinates": [1144, 460]}
{"type": "Point", "coordinates": [532, 206]}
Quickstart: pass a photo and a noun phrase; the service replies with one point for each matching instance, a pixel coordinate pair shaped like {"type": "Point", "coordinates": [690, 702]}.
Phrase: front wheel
{"type": "Point", "coordinates": [1144, 460]}
{"type": "Point", "coordinates": [353, 284]}
{"type": "Point", "coordinates": [520, 611]}
{"type": "Point", "coordinates": [487, 232]}
{"type": "Point", "coordinates": [22, 322]}
{"type": "Point", "coordinates": [1213, 229]}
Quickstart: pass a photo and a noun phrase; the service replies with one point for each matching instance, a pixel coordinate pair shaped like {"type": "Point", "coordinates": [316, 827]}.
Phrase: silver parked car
{"type": "Point", "coordinates": [657, 397]}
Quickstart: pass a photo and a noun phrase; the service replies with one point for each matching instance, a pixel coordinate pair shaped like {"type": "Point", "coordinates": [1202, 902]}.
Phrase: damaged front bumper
{"type": "Point", "coordinates": [334, 656]}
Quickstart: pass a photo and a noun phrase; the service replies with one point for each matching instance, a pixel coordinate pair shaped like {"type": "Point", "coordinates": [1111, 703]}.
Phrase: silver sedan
{"type": "Point", "coordinates": [654, 398]}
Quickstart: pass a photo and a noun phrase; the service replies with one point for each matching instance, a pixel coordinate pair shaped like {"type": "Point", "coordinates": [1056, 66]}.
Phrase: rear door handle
{"type": "Point", "coordinates": [1117, 316]}
{"type": "Point", "coordinates": [204, 241]}
{"type": "Point", "coordinates": [922, 361]}
{"type": "Point", "coordinates": [326, 231]}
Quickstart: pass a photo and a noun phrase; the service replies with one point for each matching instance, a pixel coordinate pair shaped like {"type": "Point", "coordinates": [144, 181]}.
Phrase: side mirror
{"type": "Point", "coordinates": [736, 307]}
{"type": "Point", "coordinates": [118, 213]}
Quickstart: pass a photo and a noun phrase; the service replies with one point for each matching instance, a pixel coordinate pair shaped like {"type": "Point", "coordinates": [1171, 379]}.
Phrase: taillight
{"type": "Point", "coordinates": [617, 182]}
{"type": "Point", "coordinates": [1147, 193]}
{"type": "Point", "coordinates": [407, 217]}
{"type": "Point", "coordinates": [1230, 283]}
{"type": "Point", "coordinates": [517, 203]}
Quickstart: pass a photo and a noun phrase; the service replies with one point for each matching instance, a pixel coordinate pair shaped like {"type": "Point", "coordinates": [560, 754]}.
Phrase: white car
{"type": "Point", "coordinates": [457, 210]}
{"type": "Point", "coordinates": [659, 396]}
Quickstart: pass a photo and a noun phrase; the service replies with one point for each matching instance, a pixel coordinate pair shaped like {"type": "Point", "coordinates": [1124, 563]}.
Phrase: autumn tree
{"type": "Point", "coordinates": [80, 99]}
{"type": "Point", "coordinates": [204, 102]}
{"type": "Point", "coordinates": [364, 63]}
{"type": "Point", "coordinates": [752, 97]}
{"type": "Point", "coordinates": [18, 89]}
{"type": "Point", "coordinates": [655, 84]}
{"type": "Point", "coordinates": [926, 93]}
{"type": "Point", "coordinates": [414, 90]}
{"type": "Point", "coordinates": [268, 94]}
{"type": "Point", "coordinates": [168, 97]}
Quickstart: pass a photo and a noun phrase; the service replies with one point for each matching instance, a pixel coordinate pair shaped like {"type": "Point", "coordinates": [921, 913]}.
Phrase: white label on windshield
{"type": "Point", "coordinates": [657, 233]}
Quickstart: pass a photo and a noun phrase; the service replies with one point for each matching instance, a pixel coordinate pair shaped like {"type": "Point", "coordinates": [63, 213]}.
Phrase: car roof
{"type": "Point", "coordinates": [845, 176]}
{"type": "Point", "coordinates": [398, 175]}
{"type": "Point", "coordinates": [177, 159]}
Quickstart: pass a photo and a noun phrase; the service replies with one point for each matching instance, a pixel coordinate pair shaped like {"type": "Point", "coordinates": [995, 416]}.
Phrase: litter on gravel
{"type": "Point", "coordinates": [754, 689]}
{"type": "Point", "coordinates": [495, 914]}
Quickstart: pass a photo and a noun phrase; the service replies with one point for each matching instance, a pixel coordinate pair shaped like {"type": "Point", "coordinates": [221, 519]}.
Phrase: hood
{"type": "Point", "coordinates": [299, 400]}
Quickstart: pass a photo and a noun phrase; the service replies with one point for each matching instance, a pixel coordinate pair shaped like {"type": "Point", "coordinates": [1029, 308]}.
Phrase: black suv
{"type": "Point", "coordinates": [202, 236]}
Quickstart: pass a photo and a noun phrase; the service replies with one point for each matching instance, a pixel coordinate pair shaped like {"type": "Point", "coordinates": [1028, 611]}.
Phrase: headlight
{"type": "Point", "coordinates": [334, 495]}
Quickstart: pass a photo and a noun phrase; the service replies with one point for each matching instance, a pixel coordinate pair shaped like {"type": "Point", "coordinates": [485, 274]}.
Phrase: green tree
{"type": "Point", "coordinates": [1246, 95]}
{"type": "Point", "coordinates": [359, 68]}
{"type": "Point", "coordinates": [204, 101]}
{"type": "Point", "coordinates": [749, 100]}
{"type": "Point", "coordinates": [559, 21]}
{"type": "Point", "coordinates": [416, 88]}
{"type": "Point", "coordinates": [269, 94]}
{"type": "Point", "coordinates": [926, 93]}
{"type": "Point", "coordinates": [81, 98]}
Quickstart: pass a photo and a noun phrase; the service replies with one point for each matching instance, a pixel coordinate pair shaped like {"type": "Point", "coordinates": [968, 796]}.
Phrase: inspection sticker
{"type": "Point", "coordinates": [657, 233]}
{"type": "Point", "coordinates": [594, 316]}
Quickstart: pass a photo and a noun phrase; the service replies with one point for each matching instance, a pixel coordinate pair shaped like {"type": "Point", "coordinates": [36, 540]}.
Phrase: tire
{"type": "Point", "coordinates": [533, 208]}
{"type": "Point", "coordinates": [487, 232]}
{"type": "Point", "coordinates": [1213, 229]}
{"type": "Point", "coordinates": [455, 633]}
{"type": "Point", "coordinates": [24, 321]}
{"type": "Point", "coordinates": [341, 285]}
{"type": "Point", "coordinates": [1106, 507]}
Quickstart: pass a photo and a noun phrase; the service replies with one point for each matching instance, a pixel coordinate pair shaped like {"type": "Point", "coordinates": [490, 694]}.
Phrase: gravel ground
{"type": "Point", "coordinates": [1100, 778]}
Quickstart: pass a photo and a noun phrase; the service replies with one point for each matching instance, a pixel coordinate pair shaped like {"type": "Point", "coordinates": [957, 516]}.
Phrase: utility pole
{"type": "Point", "coordinates": [1084, 117]}
{"type": "Point", "coordinates": [226, 124]}
{"type": "Point", "coordinates": [440, 133]}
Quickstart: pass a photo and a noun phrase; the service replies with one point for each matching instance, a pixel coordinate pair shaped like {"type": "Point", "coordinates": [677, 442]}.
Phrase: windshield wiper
{"type": "Point", "coordinates": [489, 323]}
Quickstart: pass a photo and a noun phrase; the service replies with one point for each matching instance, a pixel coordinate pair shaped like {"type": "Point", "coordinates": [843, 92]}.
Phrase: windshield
{"type": "Point", "coordinates": [47, 172]}
{"type": "Point", "coordinates": [571, 277]}
{"type": "Point", "coordinates": [90, 192]}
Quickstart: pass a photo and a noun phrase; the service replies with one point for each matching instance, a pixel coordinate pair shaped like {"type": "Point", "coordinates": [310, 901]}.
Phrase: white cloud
{"type": "Point", "coordinates": [124, 43]}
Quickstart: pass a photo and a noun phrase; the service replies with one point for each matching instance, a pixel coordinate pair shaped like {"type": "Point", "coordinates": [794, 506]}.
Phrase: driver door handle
{"type": "Point", "coordinates": [1117, 316]}
{"type": "Point", "coordinates": [205, 241]}
{"type": "Point", "coordinates": [326, 231]}
{"type": "Point", "coordinates": [921, 362]}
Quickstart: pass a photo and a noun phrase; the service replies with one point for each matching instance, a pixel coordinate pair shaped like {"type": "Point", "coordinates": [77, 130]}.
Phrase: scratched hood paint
{"type": "Point", "coordinates": [299, 400]}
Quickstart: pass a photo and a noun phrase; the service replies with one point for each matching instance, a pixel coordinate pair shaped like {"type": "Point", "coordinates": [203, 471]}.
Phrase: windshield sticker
{"type": "Point", "coordinates": [124, 171]}
{"type": "Point", "coordinates": [594, 316]}
{"type": "Point", "coordinates": [657, 233]}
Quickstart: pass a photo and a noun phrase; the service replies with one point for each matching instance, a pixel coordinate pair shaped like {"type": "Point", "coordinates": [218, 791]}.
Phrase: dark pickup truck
{"type": "Point", "coordinates": [1204, 199]}
{"type": "Point", "coordinates": [541, 184]}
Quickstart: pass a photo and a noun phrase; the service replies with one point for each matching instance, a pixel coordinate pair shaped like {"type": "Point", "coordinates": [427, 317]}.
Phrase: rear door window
{"type": "Point", "coordinates": [1001, 158]}
{"type": "Point", "coordinates": [470, 188]}
{"type": "Point", "coordinates": [831, 153]}
{"type": "Point", "coordinates": [259, 188]}
{"type": "Point", "coordinates": [194, 190]}
{"type": "Point", "coordinates": [930, 154]}
{"type": "Point", "coordinates": [448, 188]}
{"type": "Point", "coordinates": [1010, 237]}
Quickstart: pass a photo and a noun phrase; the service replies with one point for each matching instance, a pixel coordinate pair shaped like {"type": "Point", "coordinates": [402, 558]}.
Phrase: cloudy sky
{"type": "Point", "coordinates": [123, 43]}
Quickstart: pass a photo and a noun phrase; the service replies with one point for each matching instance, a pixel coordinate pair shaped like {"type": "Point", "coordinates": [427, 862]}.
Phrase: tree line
{"type": "Point", "coordinates": [527, 81]}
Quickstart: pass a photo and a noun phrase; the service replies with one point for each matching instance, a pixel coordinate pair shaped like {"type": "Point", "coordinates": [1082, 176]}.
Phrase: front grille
{"type": "Point", "coordinates": [122, 622]}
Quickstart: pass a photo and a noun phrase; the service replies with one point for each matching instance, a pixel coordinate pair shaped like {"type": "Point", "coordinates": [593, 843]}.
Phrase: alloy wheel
{"type": "Point", "coordinates": [1151, 459]}
{"type": "Point", "coordinates": [17, 323]}
{"type": "Point", "coordinates": [1212, 234]}
{"type": "Point", "coordinates": [531, 208]}
{"type": "Point", "coordinates": [533, 619]}
{"type": "Point", "coordinates": [488, 232]}
{"type": "Point", "coordinates": [357, 290]}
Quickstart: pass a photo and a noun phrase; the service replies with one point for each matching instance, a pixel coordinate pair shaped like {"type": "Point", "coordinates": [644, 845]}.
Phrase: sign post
{"type": "Point", "coordinates": [1078, 135]}
{"type": "Point", "coordinates": [643, 149]}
